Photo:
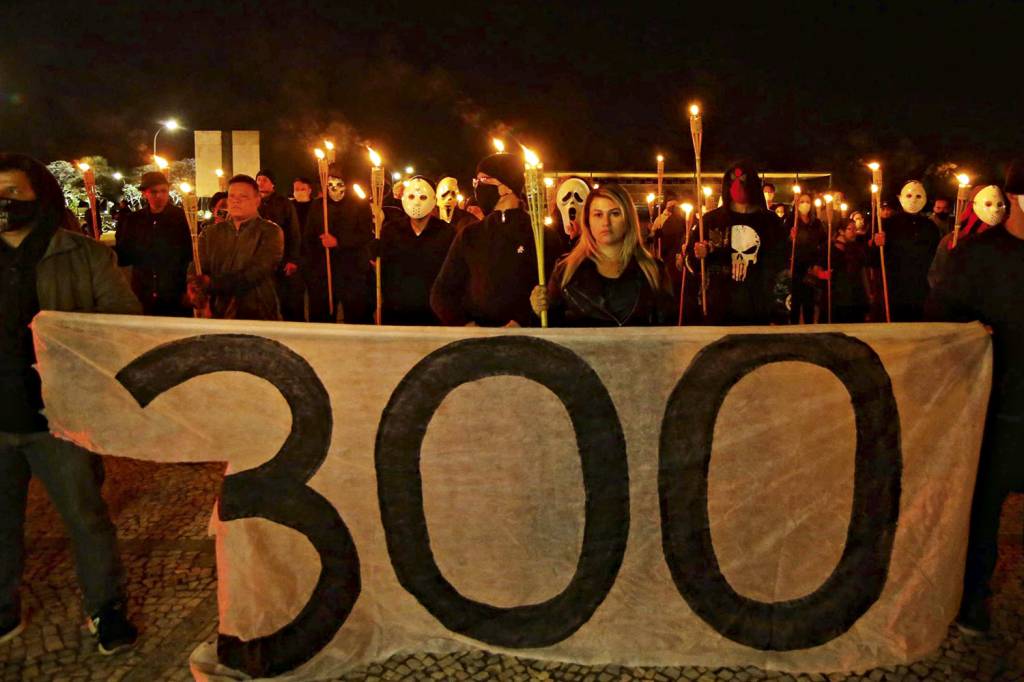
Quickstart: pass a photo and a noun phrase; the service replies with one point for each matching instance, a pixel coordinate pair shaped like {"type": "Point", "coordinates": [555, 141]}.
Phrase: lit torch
{"type": "Point", "coordinates": [222, 180]}
{"type": "Point", "coordinates": [697, 136]}
{"type": "Point", "coordinates": [89, 178]}
{"type": "Point", "coordinates": [535, 204]}
{"type": "Point", "coordinates": [322, 171]}
{"type": "Point", "coordinates": [876, 228]}
{"type": "Point", "coordinates": [963, 191]}
{"type": "Point", "coordinates": [329, 146]}
{"type": "Point", "coordinates": [796, 225]}
{"type": "Point", "coordinates": [499, 145]}
{"type": "Point", "coordinates": [828, 258]}
{"type": "Point", "coordinates": [687, 213]}
{"type": "Point", "coordinates": [377, 201]}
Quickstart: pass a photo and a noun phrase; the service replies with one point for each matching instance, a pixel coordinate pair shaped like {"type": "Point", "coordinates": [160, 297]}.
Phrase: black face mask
{"type": "Point", "coordinates": [15, 214]}
{"type": "Point", "coordinates": [486, 196]}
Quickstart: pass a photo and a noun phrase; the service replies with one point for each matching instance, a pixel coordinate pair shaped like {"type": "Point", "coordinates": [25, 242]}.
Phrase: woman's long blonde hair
{"type": "Point", "coordinates": [632, 246]}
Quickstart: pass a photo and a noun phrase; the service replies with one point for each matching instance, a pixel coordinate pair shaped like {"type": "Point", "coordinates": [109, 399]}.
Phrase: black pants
{"type": "Point", "coordinates": [291, 292]}
{"type": "Point", "coordinates": [1000, 472]}
{"type": "Point", "coordinates": [802, 301]}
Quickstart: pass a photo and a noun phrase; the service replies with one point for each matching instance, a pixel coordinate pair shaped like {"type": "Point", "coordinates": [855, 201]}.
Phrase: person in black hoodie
{"type": "Point", "coordinates": [350, 227]}
{"type": "Point", "coordinates": [808, 257]}
{"type": "Point", "coordinates": [491, 269]}
{"type": "Point", "coordinates": [910, 240]}
{"type": "Point", "coordinates": [412, 250]}
{"type": "Point", "coordinates": [609, 279]}
{"type": "Point", "coordinates": [302, 199]}
{"type": "Point", "coordinates": [278, 209]}
{"type": "Point", "coordinates": [155, 241]}
{"type": "Point", "coordinates": [745, 250]}
{"type": "Point", "coordinates": [850, 301]}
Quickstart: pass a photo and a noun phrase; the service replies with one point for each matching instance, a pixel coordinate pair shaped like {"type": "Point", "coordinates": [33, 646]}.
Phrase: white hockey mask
{"type": "Point", "coordinates": [570, 197]}
{"type": "Point", "coordinates": [418, 198]}
{"type": "Point", "coordinates": [990, 205]}
{"type": "Point", "coordinates": [335, 189]}
{"type": "Point", "coordinates": [447, 198]}
{"type": "Point", "coordinates": [913, 197]}
{"type": "Point", "coordinates": [745, 243]}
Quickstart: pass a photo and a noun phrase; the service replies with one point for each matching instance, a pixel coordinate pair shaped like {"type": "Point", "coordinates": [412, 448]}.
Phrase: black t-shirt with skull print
{"type": "Point", "coordinates": [746, 259]}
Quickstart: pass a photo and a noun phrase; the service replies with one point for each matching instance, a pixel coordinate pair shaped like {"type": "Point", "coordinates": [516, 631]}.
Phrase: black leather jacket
{"type": "Point", "coordinates": [591, 300]}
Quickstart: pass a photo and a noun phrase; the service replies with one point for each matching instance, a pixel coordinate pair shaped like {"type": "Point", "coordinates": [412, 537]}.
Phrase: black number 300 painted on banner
{"type": "Point", "coordinates": [277, 490]}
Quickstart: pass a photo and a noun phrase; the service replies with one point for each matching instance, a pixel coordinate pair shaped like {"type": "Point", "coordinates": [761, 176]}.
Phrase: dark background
{"type": "Point", "coordinates": [802, 86]}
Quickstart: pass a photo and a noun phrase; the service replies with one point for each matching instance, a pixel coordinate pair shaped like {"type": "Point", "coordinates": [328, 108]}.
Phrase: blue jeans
{"type": "Point", "coordinates": [73, 477]}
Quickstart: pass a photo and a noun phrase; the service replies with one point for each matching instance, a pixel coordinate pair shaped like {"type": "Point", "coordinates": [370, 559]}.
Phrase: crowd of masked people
{"type": "Point", "coordinates": [264, 256]}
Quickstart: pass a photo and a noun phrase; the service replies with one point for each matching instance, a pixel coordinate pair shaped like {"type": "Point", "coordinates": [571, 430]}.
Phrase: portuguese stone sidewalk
{"type": "Point", "coordinates": [162, 512]}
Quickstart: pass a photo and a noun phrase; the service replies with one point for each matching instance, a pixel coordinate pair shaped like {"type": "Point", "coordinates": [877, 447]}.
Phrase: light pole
{"type": "Point", "coordinates": [170, 124]}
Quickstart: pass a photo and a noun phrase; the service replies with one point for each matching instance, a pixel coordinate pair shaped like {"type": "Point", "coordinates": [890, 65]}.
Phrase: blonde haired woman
{"type": "Point", "coordinates": [609, 279]}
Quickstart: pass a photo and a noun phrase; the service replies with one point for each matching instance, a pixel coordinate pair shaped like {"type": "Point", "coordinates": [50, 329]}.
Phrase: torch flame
{"type": "Point", "coordinates": [319, 153]}
{"type": "Point", "coordinates": [707, 191]}
{"type": "Point", "coordinates": [874, 165]}
{"type": "Point", "coordinates": [828, 198]}
{"type": "Point", "coordinates": [531, 157]}
{"type": "Point", "coordinates": [459, 198]}
{"type": "Point", "coordinates": [650, 198]}
{"type": "Point", "coordinates": [219, 172]}
{"type": "Point", "coordinates": [160, 162]}
{"type": "Point", "coordinates": [661, 158]}
{"type": "Point", "coordinates": [375, 158]}
{"type": "Point", "coordinates": [358, 190]}
{"type": "Point", "coordinates": [817, 203]}
{"type": "Point", "coordinates": [83, 166]}
{"type": "Point", "coordinates": [844, 207]}
{"type": "Point", "coordinates": [329, 145]}
{"type": "Point", "coordinates": [964, 179]}
{"type": "Point", "coordinates": [796, 190]}
{"type": "Point", "coordinates": [498, 144]}
{"type": "Point", "coordinates": [687, 208]}
{"type": "Point", "coordinates": [549, 182]}
{"type": "Point", "coordinates": [694, 110]}
{"type": "Point", "coordinates": [874, 188]}
{"type": "Point", "coordinates": [548, 220]}
{"type": "Point", "coordinates": [185, 187]}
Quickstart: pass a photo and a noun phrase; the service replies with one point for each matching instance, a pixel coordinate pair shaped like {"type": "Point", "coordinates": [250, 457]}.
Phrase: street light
{"type": "Point", "coordinates": [171, 124]}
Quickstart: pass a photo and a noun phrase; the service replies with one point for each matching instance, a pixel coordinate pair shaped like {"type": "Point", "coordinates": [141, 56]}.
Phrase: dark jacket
{"type": "Point", "coordinates": [591, 300]}
{"type": "Point", "coordinates": [409, 266]}
{"type": "Point", "coordinates": [278, 209]}
{"type": "Point", "coordinates": [241, 264]}
{"type": "Point", "coordinates": [351, 223]}
{"type": "Point", "coordinates": [910, 243]}
{"type": "Point", "coordinates": [158, 247]}
{"type": "Point", "coordinates": [490, 272]}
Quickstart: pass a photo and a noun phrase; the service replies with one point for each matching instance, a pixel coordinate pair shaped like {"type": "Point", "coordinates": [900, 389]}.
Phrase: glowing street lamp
{"type": "Point", "coordinates": [170, 124]}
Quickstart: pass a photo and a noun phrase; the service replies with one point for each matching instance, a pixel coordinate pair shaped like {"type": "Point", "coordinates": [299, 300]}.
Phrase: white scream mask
{"type": "Point", "coordinates": [335, 189]}
{"type": "Point", "coordinates": [447, 198]}
{"type": "Point", "coordinates": [570, 197]}
{"type": "Point", "coordinates": [990, 205]}
{"type": "Point", "coordinates": [913, 197]}
{"type": "Point", "coordinates": [418, 198]}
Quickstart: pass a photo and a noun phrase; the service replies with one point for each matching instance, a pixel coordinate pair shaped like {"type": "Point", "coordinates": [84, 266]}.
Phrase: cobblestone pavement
{"type": "Point", "coordinates": [162, 512]}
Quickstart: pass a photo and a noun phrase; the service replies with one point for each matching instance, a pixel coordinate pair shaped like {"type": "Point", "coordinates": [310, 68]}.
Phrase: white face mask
{"type": "Point", "coordinates": [302, 194]}
{"type": "Point", "coordinates": [570, 197]}
{"type": "Point", "coordinates": [913, 197]}
{"type": "Point", "coordinates": [418, 198]}
{"type": "Point", "coordinates": [804, 207]}
{"type": "Point", "coordinates": [447, 198]}
{"type": "Point", "coordinates": [990, 205]}
{"type": "Point", "coordinates": [336, 189]}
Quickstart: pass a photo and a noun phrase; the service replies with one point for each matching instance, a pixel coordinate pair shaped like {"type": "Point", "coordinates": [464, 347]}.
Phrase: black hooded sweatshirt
{"type": "Point", "coordinates": [750, 300]}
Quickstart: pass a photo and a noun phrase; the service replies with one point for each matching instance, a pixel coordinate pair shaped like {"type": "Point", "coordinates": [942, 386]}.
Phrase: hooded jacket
{"type": "Point", "coordinates": [750, 299]}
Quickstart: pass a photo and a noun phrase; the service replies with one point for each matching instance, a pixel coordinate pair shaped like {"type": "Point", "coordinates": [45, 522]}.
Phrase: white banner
{"type": "Point", "coordinates": [789, 498]}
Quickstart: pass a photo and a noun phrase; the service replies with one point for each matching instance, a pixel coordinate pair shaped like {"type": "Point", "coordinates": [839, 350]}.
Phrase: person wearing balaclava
{"type": "Point", "coordinates": [491, 268]}
{"type": "Point", "coordinates": [44, 267]}
{"type": "Point", "coordinates": [909, 238]}
{"type": "Point", "coordinates": [986, 208]}
{"type": "Point", "coordinates": [810, 254]}
{"type": "Point", "coordinates": [985, 281]}
{"type": "Point", "coordinates": [412, 250]}
{"type": "Point", "coordinates": [350, 231]}
{"type": "Point", "coordinates": [302, 199]}
{"type": "Point", "coordinates": [744, 249]}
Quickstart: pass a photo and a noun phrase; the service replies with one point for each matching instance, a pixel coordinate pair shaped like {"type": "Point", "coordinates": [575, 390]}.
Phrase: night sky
{"type": "Point", "coordinates": [791, 86]}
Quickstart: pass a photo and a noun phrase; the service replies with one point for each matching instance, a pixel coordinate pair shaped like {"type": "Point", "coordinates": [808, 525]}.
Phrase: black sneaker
{"type": "Point", "coordinates": [973, 619]}
{"type": "Point", "coordinates": [10, 629]}
{"type": "Point", "coordinates": [112, 629]}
